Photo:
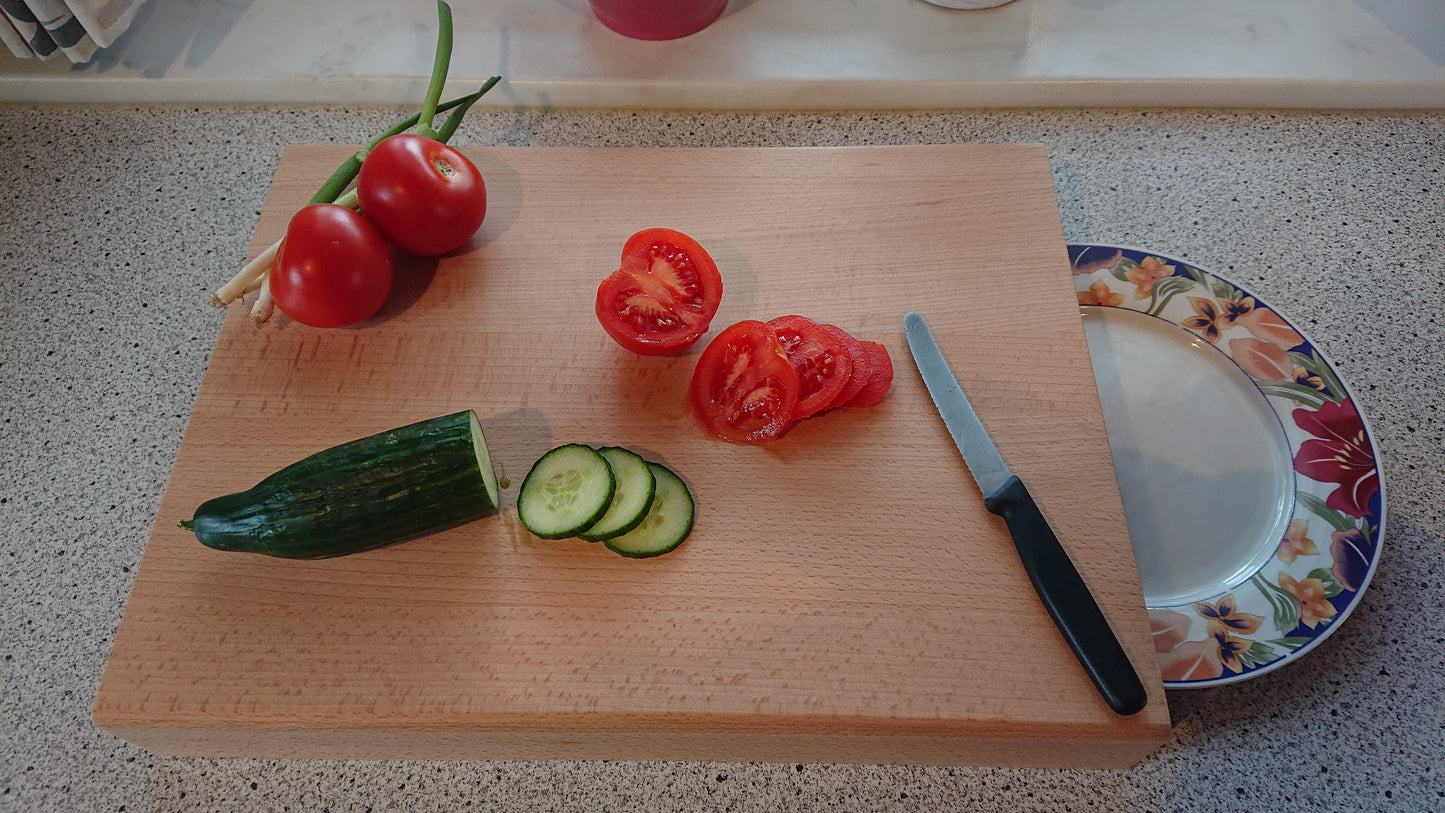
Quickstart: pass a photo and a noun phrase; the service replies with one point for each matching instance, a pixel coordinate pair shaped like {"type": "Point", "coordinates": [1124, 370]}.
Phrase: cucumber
{"type": "Point", "coordinates": [566, 492]}
{"type": "Point", "coordinates": [371, 492]}
{"type": "Point", "coordinates": [667, 523]}
{"type": "Point", "coordinates": [631, 499]}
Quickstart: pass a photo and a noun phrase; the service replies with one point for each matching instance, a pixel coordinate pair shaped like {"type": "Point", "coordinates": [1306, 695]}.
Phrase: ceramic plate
{"type": "Point", "coordinates": [1249, 477]}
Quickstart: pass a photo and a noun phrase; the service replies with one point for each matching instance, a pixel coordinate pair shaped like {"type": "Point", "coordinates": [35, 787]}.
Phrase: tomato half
{"type": "Point", "coordinates": [333, 269]}
{"type": "Point", "coordinates": [664, 296]}
{"type": "Point", "coordinates": [880, 379]}
{"type": "Point", "coordinates": [821, 358]}
{"type": "Point", "coordinates": [744, 389]}
{"type": "Point", "coordinates": [425, 197]}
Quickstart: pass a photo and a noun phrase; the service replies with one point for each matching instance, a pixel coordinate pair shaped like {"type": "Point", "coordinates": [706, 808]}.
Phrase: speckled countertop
{"type": "Point", "coordinates": [120, 220]}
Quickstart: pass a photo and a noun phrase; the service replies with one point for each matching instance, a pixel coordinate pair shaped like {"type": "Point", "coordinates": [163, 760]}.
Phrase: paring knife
{"type": "Point", "coordinates": [1054, 577]}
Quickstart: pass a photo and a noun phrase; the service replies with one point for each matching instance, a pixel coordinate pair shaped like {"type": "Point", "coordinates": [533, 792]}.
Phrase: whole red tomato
{"type": "Point", "coordinates": [332, 270]}
{"type": "Point", "coordinates": [425, 197]}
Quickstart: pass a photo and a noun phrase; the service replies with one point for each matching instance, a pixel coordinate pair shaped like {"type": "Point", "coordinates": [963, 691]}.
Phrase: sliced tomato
{"type": "Point", "coordinates": [821, 358]}
{"type": "Point", "coordinates": [862, 365]}
{"type": "Point", "coordinates": [664, 296]}
{"type": "Point", "coordinates": [744, 389]}
{"type": "Point", "coordinates": [880, 379]}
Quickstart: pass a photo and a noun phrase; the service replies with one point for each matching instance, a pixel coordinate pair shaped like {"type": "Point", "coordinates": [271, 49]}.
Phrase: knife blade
{"type": "Point", "coordinates": [1053, 575]}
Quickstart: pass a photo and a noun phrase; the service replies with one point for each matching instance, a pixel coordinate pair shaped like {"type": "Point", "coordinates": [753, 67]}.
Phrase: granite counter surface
{"type": "Point", "coordinates": [120, 220]}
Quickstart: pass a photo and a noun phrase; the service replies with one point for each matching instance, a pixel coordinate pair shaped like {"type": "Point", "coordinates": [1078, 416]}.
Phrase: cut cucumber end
{"type": "Point", "coordinates": [567, 491]}
{"type": "Point", "coordinates": [484, 461]}
{"type": "Point", "coordinates": [636, 486]}
{"type": "Point", "coordinates": [668, 521]}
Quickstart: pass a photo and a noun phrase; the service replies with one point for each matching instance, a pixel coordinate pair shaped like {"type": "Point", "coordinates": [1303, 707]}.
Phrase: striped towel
{"type": "Point", "coordinates": [75, 28]}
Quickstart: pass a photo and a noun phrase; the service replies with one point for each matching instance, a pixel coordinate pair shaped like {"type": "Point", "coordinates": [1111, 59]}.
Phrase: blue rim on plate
{"type": "Point", "coordinates": [1313, 572]}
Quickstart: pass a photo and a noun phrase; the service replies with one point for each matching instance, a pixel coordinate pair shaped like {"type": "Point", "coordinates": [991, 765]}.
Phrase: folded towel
{"type": "Point", "coordinates": [74, 28]}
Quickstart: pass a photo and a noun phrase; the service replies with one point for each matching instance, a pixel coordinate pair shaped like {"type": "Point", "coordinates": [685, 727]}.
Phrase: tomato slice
{"type": "Point", "coordinates": [664, 296]}
{"type": "Point", "coordinates": [880, 380]}
{"type": "Point", "coordinates": [862, 365]}
{"type": "Point", "coordinates": [744, 389]}
{"type": "Point", "coordinates": [821, 357]}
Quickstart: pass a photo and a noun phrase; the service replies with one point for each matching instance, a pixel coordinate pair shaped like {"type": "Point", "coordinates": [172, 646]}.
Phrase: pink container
{"type": "Point", "coordinates": [657, 19]}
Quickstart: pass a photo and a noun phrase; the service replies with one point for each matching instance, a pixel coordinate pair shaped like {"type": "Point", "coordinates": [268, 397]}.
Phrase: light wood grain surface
{"type": "Point", "coordinates": [844, 596]}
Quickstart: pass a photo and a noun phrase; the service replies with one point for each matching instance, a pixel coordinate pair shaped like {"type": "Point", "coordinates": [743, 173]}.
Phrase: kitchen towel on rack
{"type": "Point", "coordinates": [75, 28]}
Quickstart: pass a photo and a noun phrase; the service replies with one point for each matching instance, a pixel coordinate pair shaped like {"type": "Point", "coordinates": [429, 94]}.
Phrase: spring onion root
{"type": "Point", "coordinates": [249, 275]}
{"type": "Point", "coordinates": [265, 305]}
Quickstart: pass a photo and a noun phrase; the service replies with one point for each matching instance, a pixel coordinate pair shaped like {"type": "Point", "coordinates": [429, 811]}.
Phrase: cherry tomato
{"type": "Point", "coordinates": [663, 297]}
{"type": "Point", "coordinates": [425, 197]}
{"type": "Point", "coordinates": [880, 380]}
{"type": "Point", "coordinates": [821, 358]}
{"type": "Point", "coordinates": [744, 389]}
{"type": "Point", "coordinates": [332, 269]}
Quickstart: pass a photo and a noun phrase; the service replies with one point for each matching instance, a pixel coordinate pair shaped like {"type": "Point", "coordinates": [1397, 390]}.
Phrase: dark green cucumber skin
{"type": "Point", "coordinates": [361, 495]}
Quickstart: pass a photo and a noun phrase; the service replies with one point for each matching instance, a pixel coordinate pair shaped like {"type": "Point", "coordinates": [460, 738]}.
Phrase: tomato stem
{"type": "Point", "coordinates": [438, 72]}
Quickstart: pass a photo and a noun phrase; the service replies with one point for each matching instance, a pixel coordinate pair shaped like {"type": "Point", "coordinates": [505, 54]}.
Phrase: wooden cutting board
{"type": "Point", "coordinates": [844, 596]}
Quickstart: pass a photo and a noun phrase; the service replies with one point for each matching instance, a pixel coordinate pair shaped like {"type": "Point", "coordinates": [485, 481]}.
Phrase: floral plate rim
{"type": "Point", "coordinates": [1339, 490]}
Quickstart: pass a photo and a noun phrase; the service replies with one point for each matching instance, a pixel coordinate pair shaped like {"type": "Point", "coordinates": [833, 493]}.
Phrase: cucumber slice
{"type": "Point", "coordinates": [566, 492]}
{"type": "Point", "coordinates": [667, 523]}
{"type": "Point", "coordinates": [633, 496]}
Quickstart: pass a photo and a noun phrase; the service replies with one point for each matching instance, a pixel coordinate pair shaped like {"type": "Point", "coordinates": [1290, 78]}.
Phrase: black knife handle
{"type": "Point", "coordinates": [1068, 599]}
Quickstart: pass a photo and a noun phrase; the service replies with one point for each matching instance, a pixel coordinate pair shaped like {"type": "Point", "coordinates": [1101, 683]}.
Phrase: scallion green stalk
{"type": "Point", "coordinates": [440, 63]}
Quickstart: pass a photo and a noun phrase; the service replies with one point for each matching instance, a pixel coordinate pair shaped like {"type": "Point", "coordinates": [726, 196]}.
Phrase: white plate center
{"type": "Point", "coordinates": [1204, 467]}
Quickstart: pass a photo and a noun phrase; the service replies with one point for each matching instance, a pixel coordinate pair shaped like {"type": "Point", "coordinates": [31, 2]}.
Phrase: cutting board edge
{"type": "Point", "coordinates": [648, 737]}
{"type": "Point", "coordinates": [783, 748]}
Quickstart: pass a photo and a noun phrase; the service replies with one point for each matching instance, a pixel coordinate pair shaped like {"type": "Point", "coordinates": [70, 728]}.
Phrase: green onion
{"type": "Point", "coordinates": [440, 63]}
{"type": "Point", "coordinates": [445, 134]}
